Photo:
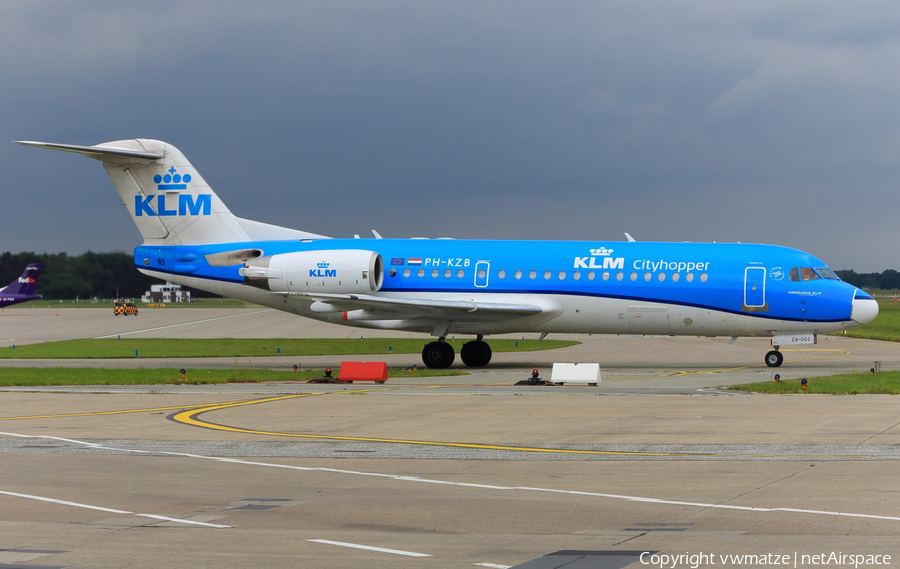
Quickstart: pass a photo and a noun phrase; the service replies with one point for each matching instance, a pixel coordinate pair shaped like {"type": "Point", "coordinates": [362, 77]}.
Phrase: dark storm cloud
{"type": "Point", "coordinates": [765, 122]}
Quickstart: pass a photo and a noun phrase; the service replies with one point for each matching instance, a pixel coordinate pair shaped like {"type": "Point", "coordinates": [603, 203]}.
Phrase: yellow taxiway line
{"type": "Point", "coordinates": [190, 417]}
{"type": "Point", "coordinates": [95, 413]}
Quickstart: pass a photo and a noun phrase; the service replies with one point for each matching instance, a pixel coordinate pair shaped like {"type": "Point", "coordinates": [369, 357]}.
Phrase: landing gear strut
{"type": "Point", "coordinates": [774, 358]}
{"type": "Point", "coordinates": [438, 355]}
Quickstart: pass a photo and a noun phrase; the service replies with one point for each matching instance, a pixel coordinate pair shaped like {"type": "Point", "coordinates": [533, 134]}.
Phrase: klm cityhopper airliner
{"type": "Point", "coordinates": [472, 287]}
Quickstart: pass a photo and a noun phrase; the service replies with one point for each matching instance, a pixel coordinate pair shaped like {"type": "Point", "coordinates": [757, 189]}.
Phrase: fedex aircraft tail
{"type": "Point", "coordinates": [169, 201]}
{"type": "Point", "coordinates": [26, 283]}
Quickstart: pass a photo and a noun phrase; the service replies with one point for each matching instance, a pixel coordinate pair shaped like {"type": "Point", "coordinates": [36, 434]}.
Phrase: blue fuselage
{"type": "Point", "coordinates": [745, 281]}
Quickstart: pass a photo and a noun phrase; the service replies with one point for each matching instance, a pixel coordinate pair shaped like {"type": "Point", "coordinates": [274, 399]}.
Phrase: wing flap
{"type": "Point", "coordinates": [457, 309]}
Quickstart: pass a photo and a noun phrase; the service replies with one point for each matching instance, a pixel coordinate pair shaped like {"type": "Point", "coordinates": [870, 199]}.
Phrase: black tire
{"type": "Point", "coordinates": [476, 354]}
{"type": "Point", "coordinates": [469, 354]}
{"type": "Point", "coordinates": [774, 358]}
{"type": "Point", "coordinates": [449, 355]}
{"type": "Point", "coordinates": [433, 355]}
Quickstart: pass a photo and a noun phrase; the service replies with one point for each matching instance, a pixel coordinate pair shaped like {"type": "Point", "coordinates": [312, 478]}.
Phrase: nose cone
{"type": "Point", "coordinates": [865, 308]}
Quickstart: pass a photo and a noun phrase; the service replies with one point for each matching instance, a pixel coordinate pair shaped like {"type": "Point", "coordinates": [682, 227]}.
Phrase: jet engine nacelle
{"type": "Point", "coordinates": [341, 271]}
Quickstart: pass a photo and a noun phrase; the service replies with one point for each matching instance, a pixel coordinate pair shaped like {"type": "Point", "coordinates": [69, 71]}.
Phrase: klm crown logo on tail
{"type": "Point", "coordinates": [164, 181]}
{"type": "Point", "coordinates": [172, 182]}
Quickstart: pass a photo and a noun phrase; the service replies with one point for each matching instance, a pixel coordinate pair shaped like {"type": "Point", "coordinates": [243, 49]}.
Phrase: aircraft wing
{"type": "Point", "coordinates": [457, 310]}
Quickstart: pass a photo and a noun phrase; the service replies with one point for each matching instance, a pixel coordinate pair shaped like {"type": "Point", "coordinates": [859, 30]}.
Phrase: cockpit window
{"type": "Point", "coordinates": [827, 274]}
{"type": "Point", "coordinates": [807, 274]}
{"type": "Point", "coordinates": [798, 274]}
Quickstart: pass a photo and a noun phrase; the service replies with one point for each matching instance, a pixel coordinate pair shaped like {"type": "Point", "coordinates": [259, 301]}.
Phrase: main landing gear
{"type": "Point", "coordinates": [774, 358]}
{"type": "Point", "coordinates": [476, 354]}
{"type": "Point", "coordinates": [440, 354]}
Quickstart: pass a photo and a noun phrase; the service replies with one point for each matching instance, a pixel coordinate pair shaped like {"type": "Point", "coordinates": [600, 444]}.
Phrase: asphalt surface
{"type": "Point", "coordinates": [443, 472]}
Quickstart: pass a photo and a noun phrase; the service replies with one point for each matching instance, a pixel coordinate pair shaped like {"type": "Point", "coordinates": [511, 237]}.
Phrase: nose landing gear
{"type": "Point", "coordinates": [774, 358]}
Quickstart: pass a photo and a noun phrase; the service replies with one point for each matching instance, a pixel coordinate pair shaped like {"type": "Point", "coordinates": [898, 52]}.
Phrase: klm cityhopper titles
{"type": "Point", "coordinates": [472, 287]}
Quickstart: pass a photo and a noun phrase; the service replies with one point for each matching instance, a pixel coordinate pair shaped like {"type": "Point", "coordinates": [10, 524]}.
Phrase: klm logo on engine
{"type": "Point", "coordinates": [323, 271]}
{"type": "Point", "coordinates": [592, 262]}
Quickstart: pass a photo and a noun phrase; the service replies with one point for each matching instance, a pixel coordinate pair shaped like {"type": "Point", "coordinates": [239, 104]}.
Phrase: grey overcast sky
{"type": "Point", "coordinates": [753, 121]}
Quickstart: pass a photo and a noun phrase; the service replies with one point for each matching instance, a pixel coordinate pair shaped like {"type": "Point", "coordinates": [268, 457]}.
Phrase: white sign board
{"type": "Point", "coordinates": [795, 340]}
{"type": "Point", "coordinates": [588, 374]}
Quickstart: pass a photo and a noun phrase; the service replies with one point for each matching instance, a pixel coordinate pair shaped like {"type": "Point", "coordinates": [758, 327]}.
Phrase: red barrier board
{"type": "Point", "coordinates": [363, 371]}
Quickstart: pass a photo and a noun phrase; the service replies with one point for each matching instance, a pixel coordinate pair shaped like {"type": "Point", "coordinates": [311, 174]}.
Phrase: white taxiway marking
{"type": "Point", "coordinates": [715, 391]}
{"type": "Point", "coordinates": [471, 485]}
{"type": "Point", "coordinates": [182, 324]}
{"type": "Point", "coordinates": [494, 565]}
{"type": "Point", "coordinates": [370, 548]}
{"type": "Point", "coordinates": [110, 510]}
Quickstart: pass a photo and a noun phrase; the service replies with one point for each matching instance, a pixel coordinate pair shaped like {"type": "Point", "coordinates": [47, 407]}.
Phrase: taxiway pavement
{"type": "Point", "coordinates": [450, 472]}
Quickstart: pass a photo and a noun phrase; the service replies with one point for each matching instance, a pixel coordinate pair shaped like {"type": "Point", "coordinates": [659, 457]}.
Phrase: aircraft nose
{"type": "Point", "coordinates": [864, 310]}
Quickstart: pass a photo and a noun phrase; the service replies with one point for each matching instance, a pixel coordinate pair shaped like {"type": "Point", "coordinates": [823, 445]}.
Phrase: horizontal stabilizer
{"type": "Point", "coordinates": [97, 152]}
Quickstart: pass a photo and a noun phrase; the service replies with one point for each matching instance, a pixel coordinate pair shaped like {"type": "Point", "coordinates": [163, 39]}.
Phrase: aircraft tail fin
{"type": "Point", "coordinates": [26, 283]}
{"type": "Point", "coordinates": [169, 201]}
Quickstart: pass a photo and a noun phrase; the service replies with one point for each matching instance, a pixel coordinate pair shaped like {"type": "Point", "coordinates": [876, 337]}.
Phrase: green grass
{"type": "Point", "coordinates": [886, 325]}
{"type": "Point", "coordinates": [884, 383]}
{"type": "Point", "coordinates": [32, 377]}
{"type": "Point", "coordinates": [247, 348]}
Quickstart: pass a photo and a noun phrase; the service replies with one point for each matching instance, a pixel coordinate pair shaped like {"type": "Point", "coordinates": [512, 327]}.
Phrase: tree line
{"type": "Point", "coordinates": [886, 280]}
{"type": "Point", "coordinates": [101, 275]}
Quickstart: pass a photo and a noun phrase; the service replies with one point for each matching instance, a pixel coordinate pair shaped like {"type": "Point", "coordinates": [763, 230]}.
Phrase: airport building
{"type": "Point", "coordinates": [166, 293]}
